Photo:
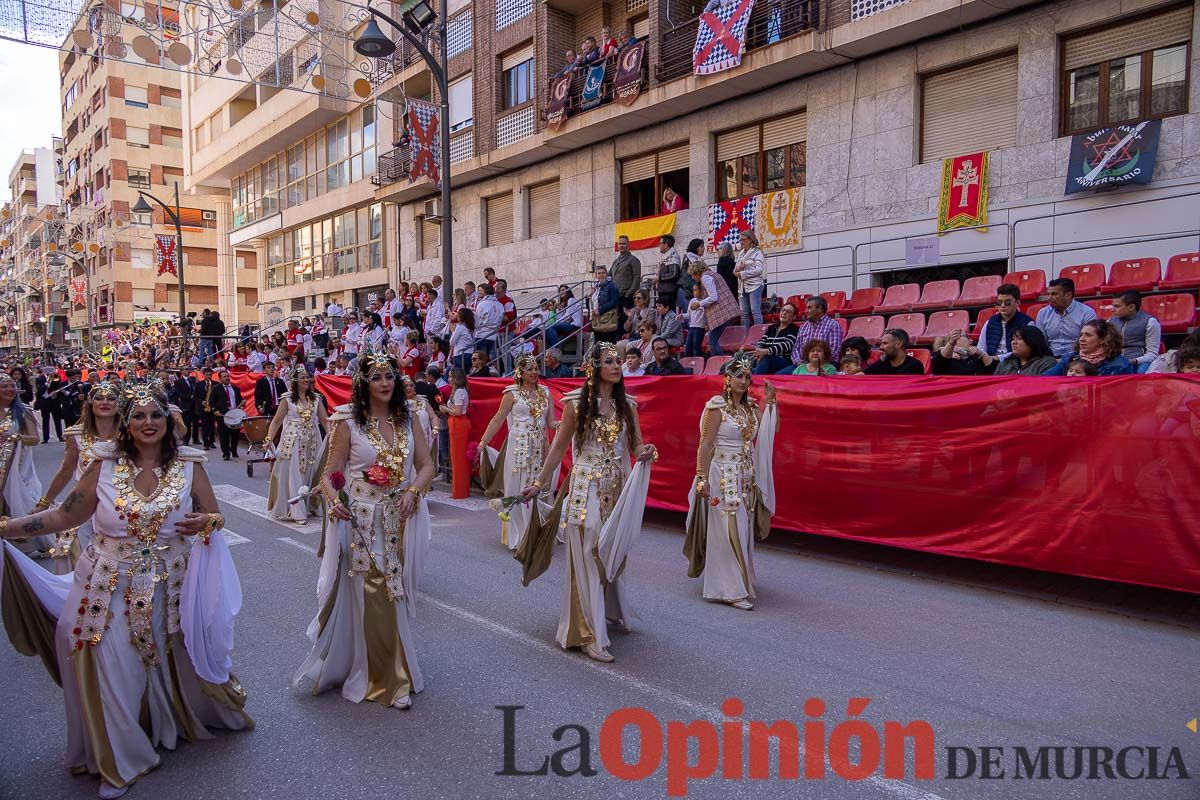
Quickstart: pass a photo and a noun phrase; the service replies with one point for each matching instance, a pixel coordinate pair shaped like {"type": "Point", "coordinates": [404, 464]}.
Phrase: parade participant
{"type": "Point", "coordinates": [298, 422]}
{"type": "Point", "coordinates": [527, 408]}
{"type": "Point", "coordinates": [376, 536]}
{"type": "Point", "coordinates": [21, 487]}
{"type": "Point", "coordinates": [733, 495]}
{"type": "Point", "coordinates": [98, 424]}
{"type": "Point", "coordinates": [144, 627]}
{"type": "Point", "coordinates": [422, 410]}
{"type": "Point", "coordinates": [600, 506]}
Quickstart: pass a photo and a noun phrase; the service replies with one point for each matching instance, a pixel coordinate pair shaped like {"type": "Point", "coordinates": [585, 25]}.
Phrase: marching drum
{"type": "Point", "coordinates": [234, 417]}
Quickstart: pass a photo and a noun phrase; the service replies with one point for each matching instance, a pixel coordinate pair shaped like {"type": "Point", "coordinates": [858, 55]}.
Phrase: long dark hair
{"type": "Point", "coordinates": [1035, 340]}
{"type": "Point", "coordinates": [467, 317]}
{"type": "Point", "coordinates": [360, 395]}
{"type": "Point", "coordinates": [589, 404]}
{"type": "Point", "coordinates": [168, 449]}
{"type": "Point", "coordinates": [294, 385]}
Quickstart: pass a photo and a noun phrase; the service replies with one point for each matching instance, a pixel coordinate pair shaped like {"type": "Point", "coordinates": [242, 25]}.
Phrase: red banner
{"type": "Point", "coordinates": [165, 255]}
{"type": "Point", "coordinates": [964, 198]}
{"type": "Point", "coordinates": [1084, 476]}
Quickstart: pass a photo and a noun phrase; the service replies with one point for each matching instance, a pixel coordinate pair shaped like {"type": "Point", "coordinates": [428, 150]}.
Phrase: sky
{"type": "Point", "coordinates": [29, 104]}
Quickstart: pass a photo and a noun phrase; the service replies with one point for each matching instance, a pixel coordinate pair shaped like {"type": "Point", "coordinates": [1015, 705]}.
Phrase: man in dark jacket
{"type": "Point", "coordinates": [996, 337]}
{"type": "Point", "coordinates": [72, 397]}
{"type": "Point", "coordinates": [664, 364]}
{"type": "Point", "coordinates": [225, 398]}
{"type": "Point", "coordinates": [267, 391]}
{"type": "Point", "coordinates": [607, 298]}
{"type": "Point", "coordinates": [204, 399]}
{"type": "Point", "coordinates": [48, 401]}
{"type": "Point", "coordinates": [182, 394]}
{"type": "Point", "coordinates": [211, 331]}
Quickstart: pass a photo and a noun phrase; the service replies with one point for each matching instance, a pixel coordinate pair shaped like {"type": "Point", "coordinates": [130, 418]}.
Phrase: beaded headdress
{"type": "Point", "coordinates": [296, 374]}
{"type": "Point", "coordinates": [144, 392]}
{"type": "Point", "coordinates": [595, 355]}
{"type": "Point", "coordinates": [741, 365]}
{"type": "Point", "coordinates": [7, 378]}
{"type": "Point", "coordinates": [105, 388]}
{"type": "Point", "coordinates": [523, 363]}
{"type": "Point", "coordinates": [373, 361]}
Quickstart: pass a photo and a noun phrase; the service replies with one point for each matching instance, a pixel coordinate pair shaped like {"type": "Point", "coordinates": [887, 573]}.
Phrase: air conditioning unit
{"type": "Point", "coordinates": [209, 215]}
{"type": "Point", "coordinates": [433, 210]}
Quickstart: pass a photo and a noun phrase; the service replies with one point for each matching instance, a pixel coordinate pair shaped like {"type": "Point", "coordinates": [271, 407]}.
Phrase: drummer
{"type": "Point", "coordinates": [227, 405]}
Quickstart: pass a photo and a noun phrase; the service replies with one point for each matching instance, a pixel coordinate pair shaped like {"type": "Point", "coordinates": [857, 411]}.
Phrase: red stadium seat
{"type": "Point", "coordinates": [1031, 282]}
{"type": "Point", "coordinates": [753, 334]}
{"type": "Point", "coordinates": [1033, 310]}
{"type": "Point", "coordinates": [714, 364]}
{"type": "Point", "coordinates": [863, 301]}
{"type": "Point", "coordinates": [845, 325]}
{"type": "Point", "coordinates": [796, 301]}
{"type": "Point", "coordinates": [1176, 312]}
{"type": "Point", "coordinates": [869, 328]}
{"type": "Point", "coordinates": [899, 298]}
{"type": "Point", "coordinates": [875, 356]}
{"type": "Point", "coordinates": [980, 291]}
{"type": "Point", "coordinates": [984, 315]}
{"type": "Point", "coordinates": [836, 301]}
{"type": "Point", "coordinates": [1183, 272]}
{"type": "Point", "coordinates": [941, 323]}
{"type": "Point", "coordinates": [924, 356]}
{"type": "Point", "coordinates": [732, 338]}
{"type": "Point", "coordinates": [693, 363]}
{"type": "Point", "coordinates": [1103, 308]}
{"type": "Point", "coordinates": [1138, 274]}
{"type": "Point", "coordinates": [937, 294]}
{"type": "Point", "coordinates": [1088, 278]}
{"type": "Point", "coordinates": [914, 323]}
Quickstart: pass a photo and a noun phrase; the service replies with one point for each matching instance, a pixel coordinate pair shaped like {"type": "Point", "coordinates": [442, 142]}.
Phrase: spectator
{"type": "Point", "coordinates": [996, 338]}
{"type": "Point", "coordinates": [373, 335]}
{"type": "Point", "coordinates": [852, 363]}
{"type": "Point", "coordinates": [489, 274]}
{"type": "Point", "coordinates": [1078, 368]}
{"type": "Point", "coordinates": [410, 313]}
{"type": "Point", "coordinates": [626, 271]}
{"type": "Point", "coordinates": [1140, 332]}
{"type": "Point", "coordinates": [459, 301]}
{"type": "Point", "coordinates": [818, 325]}
{"type": "Point", "coordinates": [647, 333]}
{"type": "Point", "coordinates": [665, 281]}
{"type": "Point", "coordinates": [633, 363]}
{"type": "Point", "coordinates": [489, 316]}
{"type": "Point", "coordinates": [211, 331]}
{"type": "Point", "coordinates": [24, 387]}
{"type": "Point", "coordinates": [568, 316]}
{"type": "Point", "coordinates": [625, 41]}
{"type": "Point", "coordinates": [726, 265]}
{"type": "Point", "coordinates": [436, 326]}
{"type": "Point", "coordinates": [663, 363]}
{"type": "Point", "coordinates": [589, 54]}
{"type": "Point", "coordinates": [506, 302]}
{"type": "Point", "coordinates": [471, 294]}
{"type": "Point", "coordinates": [640, 312]}
{"type": "Point", "coordinates": [410, 355]}
{"type": "Point", "coordinates": [479, 366]}
{"type": "Point", "coordinates": [896, 360]}
{"type": "Point", "coordinates": [608, 45]}
{"type": "Point", "coordinates": [391, 308]}
{"type": "Point", "coordinates": [554, 368]}
{"type": "Point", "coordinates": [774, 350]}
{"type": "Point", "coordinates": [1099, 344]}
{"type": "Point", "coordinates": [1168, 362]}
{"type": "Point", "coordinates": [695, 335]}
{"type": "Point", "coordinates": [460, 429]}
{"type": "Point", "coordinates": [605, 300]}
{"type": "Point", "coordinates": [749, 268]}
{"type": "Point", "coordinates": [693, 253]}
{"type": "Point", "coordinates": [352, 335]}
{"type": "Point", "coordinates": [858, 346]}
{"type": "Point", "coordinates": [1031, 354]}
{"type": "Point", "coordinates": [462, 339]}
{"type": "Point", "coordinates": [720, 309]}
{"type": "Point", "coordinates": [1062, 320]}
{"type": "Point", "coordinates": [817, 358]}
{"type": "Point", "coordinates": [955, 354]}
{"type": "Point", "coordinates": [333, 309]}
{"type": "Point", "coordinates": [672, 201]}
{"type": "Point", "coordinates": [1189, 360]}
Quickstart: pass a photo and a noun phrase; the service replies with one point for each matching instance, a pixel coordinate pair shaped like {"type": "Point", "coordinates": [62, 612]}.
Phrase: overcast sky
{"type": "Point", "coordinates": [29, 109]}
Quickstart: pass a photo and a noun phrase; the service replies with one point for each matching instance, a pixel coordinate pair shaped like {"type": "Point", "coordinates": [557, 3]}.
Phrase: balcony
{"type": "Point", "coordinates": [768, 25]}
{"type": "Point", "coordinates": [579, 78]}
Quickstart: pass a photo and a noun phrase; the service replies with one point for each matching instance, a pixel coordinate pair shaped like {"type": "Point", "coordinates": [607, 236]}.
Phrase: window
{"type": "Point", "coordinates": [137, 137]}
{"type": "Point", "coordinates": [142, 259]}
{"type": "Point", "coordinates": [172, 137]}
{"type": "Point", "coordinates": [461, 104]}
{"type": "Point", "coordinates": [458, 34]}
{"type": "Point", "coordinates": [517, 73]}
{"type": "Point", "coordinates": [645, 178]}
{"type": "Point", "coordinates": [509, 11]}
{"type": "Point", "coordinates": [431, 236]}
{"type": "Point", "coordinates": [136, 96]}
{"type": "Point", "coordinates": [763, 158]}
{"type": "Point", "coordinates": [351, 241]}
{"type": "Point", "coordinates": [169, 98]}
{"type": "Point", "coordinates": [139, 178]}
{"type": "Point", "coordinates": [499, 213]}
{"type": "Point", "coordinates": [1133, 71]}
{"type": "Point", "coordinates": [140, 218]}
{"type": "Point", "coordinates": [543, 209]}
{"type": "Point", "coordinates": [954, 122]}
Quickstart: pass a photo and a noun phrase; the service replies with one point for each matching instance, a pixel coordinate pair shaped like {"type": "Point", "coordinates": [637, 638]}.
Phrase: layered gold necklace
{"type": "Point", "coordinates": [743, 418]}
{"type": "Point", "coordinates": [537, 403]}
{"type": "Point", "coordinates": [391, 456]}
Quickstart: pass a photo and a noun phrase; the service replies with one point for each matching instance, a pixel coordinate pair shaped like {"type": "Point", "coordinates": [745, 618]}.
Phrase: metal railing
{"type": "Point", "coordinates": [510, 333]}
{"type": "Point", "coordinates": [393, 167]}
{"type": "Point", "coordinates": [574, 103]}
{"type": "Point", "coordinates": [771, 21]}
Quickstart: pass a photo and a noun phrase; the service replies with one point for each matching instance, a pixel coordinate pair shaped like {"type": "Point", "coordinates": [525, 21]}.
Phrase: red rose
{"type": "Point", "coordinates": [337, 480]}
{"type": "Point", "coordinates": [378, 475]}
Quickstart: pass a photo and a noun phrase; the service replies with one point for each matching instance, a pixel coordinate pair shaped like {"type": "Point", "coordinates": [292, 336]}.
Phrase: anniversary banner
{"type": "Point", "coordinates": [1117, 156]}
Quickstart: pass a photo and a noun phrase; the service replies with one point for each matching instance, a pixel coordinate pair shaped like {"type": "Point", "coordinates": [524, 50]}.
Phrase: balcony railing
{"type": "Point", "coordinates": [770, 22]}
{"type": "Point", "coordinates": [393, 167]}
{"type": "Point", "coordinates": [579, 78]}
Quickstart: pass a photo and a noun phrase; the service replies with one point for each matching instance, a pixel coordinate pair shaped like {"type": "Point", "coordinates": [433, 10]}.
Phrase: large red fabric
{"type": "Point", "coordinates": [1084, 476]}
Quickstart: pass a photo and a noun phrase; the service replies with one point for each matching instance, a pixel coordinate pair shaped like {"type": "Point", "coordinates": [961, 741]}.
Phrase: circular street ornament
{"type": "Point", "coordinates": [362, 87]}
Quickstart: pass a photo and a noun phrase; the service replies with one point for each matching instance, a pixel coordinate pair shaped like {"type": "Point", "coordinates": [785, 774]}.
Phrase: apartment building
{"type": "Point", "coordinates": [123, 132]}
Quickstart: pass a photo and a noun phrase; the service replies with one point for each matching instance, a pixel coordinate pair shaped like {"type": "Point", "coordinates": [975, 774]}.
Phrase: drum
{"type": "Point", "coordinates": [234, 417]}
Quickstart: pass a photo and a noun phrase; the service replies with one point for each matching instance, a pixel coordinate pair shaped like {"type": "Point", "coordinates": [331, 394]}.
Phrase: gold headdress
{"type": "Point", "coordinates": [297, 373]}
{"type": "Point", "coordinates": [107, 387]}
{"type": "Point", "coordinates": [741, 365]}
{"type": "Point", "coordinates": [5, 377]}
{"type": "Point", "coordinates": [145, 392]}
{"type": "Point", "coordinates": [523, 363]}
{"type": "Point", "coordinates": [595, 355]}
{"type": "Point", "coordinates": [373, 360]}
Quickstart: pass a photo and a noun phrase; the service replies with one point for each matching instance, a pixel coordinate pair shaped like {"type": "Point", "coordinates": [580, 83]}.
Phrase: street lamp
{"type": "Point", "coordinates": [373, 43]}
{"type": "Point", "coordinates": [142, 207]}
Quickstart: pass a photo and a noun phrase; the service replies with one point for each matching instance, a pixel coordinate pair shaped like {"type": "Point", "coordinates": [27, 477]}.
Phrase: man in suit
{"type": "Point", "coordinates": [204, 399]}
{"type": "Point", "coordinates": [226, 397]}
{"type": "Point", "coordinates": [72, 397]}
{"type": "Point", "coordinates": [182, 394]}
{"type": "Point", "coordinates": [267, 391]}
{"type": "Point", "coordinates": [48, 400]}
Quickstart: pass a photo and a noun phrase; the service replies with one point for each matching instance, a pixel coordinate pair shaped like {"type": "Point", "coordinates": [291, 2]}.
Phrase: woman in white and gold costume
{"type": "Point", "coordinates": [422, 411]}
{"type": "Point", "coordinates": [376, 537]}
{"type": "Point", "coordinates": [600, 507]}
{"type": "Point", "coordinates": [18, 479]}
{"type": "Point", "coordinates": [97, 424]}
{"type": "Point", "coordinates": [298, 422]}
{"type": "Point", "coordinates": [733, 496]}
{"type": "Point", "coordinates": [527, 408]}
{"type": "Point", "coordinates": [140, 635]}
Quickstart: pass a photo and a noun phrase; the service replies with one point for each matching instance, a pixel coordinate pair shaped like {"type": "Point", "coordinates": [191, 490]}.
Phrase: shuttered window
{"type": "Point", "coordinates": [764, 157]}
{"type": "Point", "coordinates": [543, 209]}
{"type": "Point", "coordinates": [738, 143]}
{"type": "Point", "coordinates": [499, 211]}
{"type": "Point", "coordinates": [1147, 33]}
{"type": "Point", "coordinates": [645, 179]}
{"type": "Point", "coordinates": [673, 159]}
{"type": "Point", "coordinates": [510, 60]}
{"type": "Point", "coordinates": [955, 122]}
{"type": "Point", "coordinates": [641, 28]}
{"type": "Point", "coordinates": [637, 169]}
{"type": "Point", "coordinates": [431, 234]}
{"type": "Point", "coordinates": [785, 131]}
{"type": "Point", "coordinates": [461, 103]}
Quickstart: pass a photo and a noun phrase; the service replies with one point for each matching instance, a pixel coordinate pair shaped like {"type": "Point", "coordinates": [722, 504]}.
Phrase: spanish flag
{"type": "Point", "coordinates": [644, 233]}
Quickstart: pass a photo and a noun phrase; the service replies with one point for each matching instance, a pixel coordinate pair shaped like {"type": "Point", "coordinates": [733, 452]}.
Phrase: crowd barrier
{"type": "Point", "coordinates": [1093, 477]}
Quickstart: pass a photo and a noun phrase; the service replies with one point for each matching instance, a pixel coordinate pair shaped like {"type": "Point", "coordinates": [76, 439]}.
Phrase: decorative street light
{"type": "Point", "coordinates": [142, 207]}
{"type": "Point", "coordinates": [374, 43]}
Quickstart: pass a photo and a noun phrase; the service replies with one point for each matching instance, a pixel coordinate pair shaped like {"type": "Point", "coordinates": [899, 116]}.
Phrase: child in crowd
{"type": "Point", "coordinates": [460, 429]}
{"type": "Point", "coordinates": [1078, 368]}
{"type": "Point", "coordinates": [1188, 360]}
{"type": "Point", "coordinates": [851, 364]}
{"type": "Point", "coordinates": [817, 358]}
{"type": "Point", "coordinates": [633, 363]}
{"type": "Point", "coordinates": [695, 335]}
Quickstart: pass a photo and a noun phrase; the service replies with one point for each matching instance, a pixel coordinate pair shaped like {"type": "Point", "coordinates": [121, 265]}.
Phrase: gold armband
{"type": "Point", "coordinates": [43, 503]}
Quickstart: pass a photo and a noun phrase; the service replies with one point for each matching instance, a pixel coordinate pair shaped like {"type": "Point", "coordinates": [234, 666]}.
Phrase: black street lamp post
{"type": "Point", "coordinates": [142, 207]}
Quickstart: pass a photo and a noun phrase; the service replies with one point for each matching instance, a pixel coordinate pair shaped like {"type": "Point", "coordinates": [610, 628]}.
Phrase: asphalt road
{"type": "Point", "coordinates": [987, 656]}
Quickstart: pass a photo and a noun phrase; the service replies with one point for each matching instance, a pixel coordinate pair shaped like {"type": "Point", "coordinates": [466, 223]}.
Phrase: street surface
{"type": "Point", "coordinates": [988, 656]}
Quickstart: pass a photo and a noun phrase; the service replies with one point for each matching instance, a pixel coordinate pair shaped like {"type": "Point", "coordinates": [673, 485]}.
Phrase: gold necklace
{"type": "Point", "coordinates": [537, 404]}
{"type": "Point", "coordinates": [393, 456]}
{"type": "Point", "coordinates": [744, 419]}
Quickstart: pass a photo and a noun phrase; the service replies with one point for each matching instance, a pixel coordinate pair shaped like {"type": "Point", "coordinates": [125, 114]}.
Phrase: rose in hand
{"type": "Point", "coordinates": [341, 509]}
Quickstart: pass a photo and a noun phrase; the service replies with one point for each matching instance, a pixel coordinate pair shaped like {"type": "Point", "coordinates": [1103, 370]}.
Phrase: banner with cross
{"type": "Point", "coordinates": [963, 202]}
{"type": "Point", "coordinates": [721, 36]}
{"type": "Point", "coordinates": [425, 140]}
{"type": "Point", "coordinates": [729, 218]}
{"type": "Point", "coordinates": [166, 254]}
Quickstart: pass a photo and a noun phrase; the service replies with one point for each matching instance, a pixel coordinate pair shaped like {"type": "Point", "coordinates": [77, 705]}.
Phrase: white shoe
{"type": "Point", "coordinates": [403, 703]}
{"type": "Point", "coordinates": [744, 605]}
{"type": "Point", "coordinates": [596, 654]}
{"type": "Point", "coordinates": [108, 791]}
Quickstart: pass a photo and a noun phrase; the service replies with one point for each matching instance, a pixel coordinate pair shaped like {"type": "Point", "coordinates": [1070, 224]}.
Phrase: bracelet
{"type": "Point", "coordinates": [215, 523]}
{"type": "Point", "coordinates": [414, 490]}
{"type": "Point", "coordinates": [3, 526]}
{"type": "Point", "coordinates": [536, 482]}
{"type": "Point", "coordinates": [701, 483]}
{"type": "Point", "coordinates": [43, 502]}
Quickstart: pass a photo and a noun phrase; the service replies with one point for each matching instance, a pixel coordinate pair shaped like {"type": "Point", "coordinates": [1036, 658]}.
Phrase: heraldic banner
{"type": "Point", "coordinates": [628, 83]}
{"type": "Point", "coordinates": [721, 37]}
{"type": "Point", "coordinates": [1113, 156]}
{"type": "Point", "coordinates": [78, 292]}
{"type": "Point", "coordinates": [166, 255]}
{"type": "Point", "coordinates": [729, 218]}
{"type": "Point", "coordinates": [425, 140]}
{"type": "Point", "coordinates": [592, 85]}
{"type": "Point", "coordinates": [644, 232]}
{"type": "Point", "coordinates": [963, 203]}
{"type": "Point", "coordinates": [780, 219]}
{"type": "Point", "coordinates": [556, 109]}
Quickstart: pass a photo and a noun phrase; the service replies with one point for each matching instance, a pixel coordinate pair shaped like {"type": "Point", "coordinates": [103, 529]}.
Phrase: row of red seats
{"type": "Point", "coordinates": [712, 365]}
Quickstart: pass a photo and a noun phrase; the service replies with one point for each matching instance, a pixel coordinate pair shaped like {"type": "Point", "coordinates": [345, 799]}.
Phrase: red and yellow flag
{"type": "Point", "coordinates": [964, 192]}
{"type": "Point", "coordinates": [644, 233]}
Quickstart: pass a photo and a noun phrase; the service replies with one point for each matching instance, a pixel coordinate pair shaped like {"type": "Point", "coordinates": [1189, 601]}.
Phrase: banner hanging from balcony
{"type": "Point", "coordinates": [166, 254]}
{"type": "Point", "coordinates": [728, 219]}
{"type": "Point", "coordinates": [964, 198]}
{"type": "Point", "coordinates": [78, 292]}
{"type": "Point", "coordinates": [425, 141]}
{"type": "Point", "coordinates": [592, 85]}
{"type": "Point", "coordinates": [721, 36]}
{"type": "Point", "coordinates": [628, 82]}
{"type": "Point", "coordinates": [644, 233]}
{"type": "Point", "coordinates": [556, 109]}
{"type": "Point", "coordinates": [780, 218]}
{"type": "Point", "coordinates": [1113, 156]}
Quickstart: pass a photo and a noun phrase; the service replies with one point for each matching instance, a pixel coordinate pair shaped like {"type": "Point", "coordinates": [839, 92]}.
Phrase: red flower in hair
{"type": "Point", "coordinates": [337, 480]}
{"type": "Point", "coordinates": [378, 475]}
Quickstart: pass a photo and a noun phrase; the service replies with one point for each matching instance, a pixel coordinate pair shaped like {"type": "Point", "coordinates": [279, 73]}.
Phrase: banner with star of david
{"type": "Point", "coordinates": [1117, 156]}
{"type": "Point", "coordinates": [425, 140]}
{"type": "Point", "coordinates": [721, 36]}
